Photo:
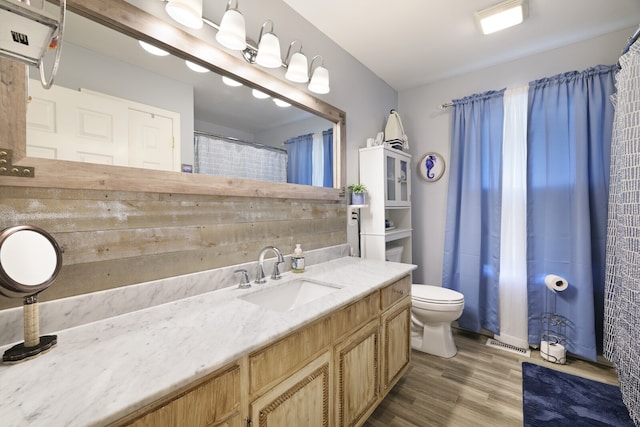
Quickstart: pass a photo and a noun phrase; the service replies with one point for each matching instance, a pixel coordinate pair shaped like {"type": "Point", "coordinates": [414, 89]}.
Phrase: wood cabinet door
{"type": "Point", "coordinates": [300, 400]}
{"type": "Point", "coordinates": [396, 342]}
{"type": "Point", "coordinates": [235, 421]}
{"type": "Point", "coordinates": [357, 375]}
{"type": "Point", "coordinates": [215, 402]}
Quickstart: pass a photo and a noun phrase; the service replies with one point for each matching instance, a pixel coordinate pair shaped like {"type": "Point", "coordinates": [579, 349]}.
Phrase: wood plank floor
{"type": "Point", "coordinates": [480, 386]}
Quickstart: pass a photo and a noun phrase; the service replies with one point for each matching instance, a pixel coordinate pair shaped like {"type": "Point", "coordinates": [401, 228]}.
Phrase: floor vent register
{"type": "Point", "coordinates": [508, 347]}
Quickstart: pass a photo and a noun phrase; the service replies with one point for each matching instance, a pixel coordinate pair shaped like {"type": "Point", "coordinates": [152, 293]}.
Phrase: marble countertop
{"type": "Point", "coordinates": [102, 371]}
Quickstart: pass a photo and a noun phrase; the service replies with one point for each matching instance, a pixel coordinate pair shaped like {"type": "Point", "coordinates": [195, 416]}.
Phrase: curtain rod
{"type": "Point", "coordinates": [240, 141]}
{"type": "Point", "coordinates": [445, 105]}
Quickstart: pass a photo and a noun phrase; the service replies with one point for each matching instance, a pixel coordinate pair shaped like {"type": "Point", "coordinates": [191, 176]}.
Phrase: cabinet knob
{"type": "Point", "coordinates": [399, 291]}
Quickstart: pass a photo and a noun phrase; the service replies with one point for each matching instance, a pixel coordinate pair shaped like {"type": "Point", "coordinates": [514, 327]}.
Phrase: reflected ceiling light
{"type": "Point", "coordinates": [232, 32]}
{"type": "Point", "coordinates": [230, 82]}
{"type": "Point", "coordinates": [297, 66]}
{"type": "Point", "coordinates": [260, 95]}
{"type": "Point", "coordinates": [185, 12]}
{"type": "Point", "coordinates": [281, 103]}
{"type": "Point", "coordinates": [195, 67]}
{"type": "Point", "coordinates": [152, 49]}
{"type": "Point", "coordinates": [268, 48]}
{"type": "Point", "coordinates": [320, 78]}
{"type": "Point", "coordinates": [502, 15]}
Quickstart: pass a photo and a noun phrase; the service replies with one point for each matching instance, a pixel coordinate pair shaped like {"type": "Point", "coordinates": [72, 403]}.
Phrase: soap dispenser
{"type": "Point", "coordinates": [297, 260]}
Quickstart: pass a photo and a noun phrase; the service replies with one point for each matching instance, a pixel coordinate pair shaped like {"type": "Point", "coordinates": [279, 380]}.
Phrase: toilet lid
{"type": "Point", "coordinates": [436, 294]}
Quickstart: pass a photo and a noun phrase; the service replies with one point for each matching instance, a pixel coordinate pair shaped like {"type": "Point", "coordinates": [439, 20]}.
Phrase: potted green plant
{"type": "Point", "coordinates": [358, 192]}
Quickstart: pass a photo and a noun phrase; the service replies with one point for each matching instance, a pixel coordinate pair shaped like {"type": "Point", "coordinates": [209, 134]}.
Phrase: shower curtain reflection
{"type": "Point", "coordinates": [311, 159]}
{"type": "Point", "coordinates": [216, 156]}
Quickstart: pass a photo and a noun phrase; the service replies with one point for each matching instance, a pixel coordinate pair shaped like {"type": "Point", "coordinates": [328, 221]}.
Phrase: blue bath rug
{"type": "Point", "coordinates": [554, 398]}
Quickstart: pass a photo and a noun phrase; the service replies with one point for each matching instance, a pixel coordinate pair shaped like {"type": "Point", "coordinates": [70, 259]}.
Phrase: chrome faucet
{"type": "Point", "coordinates": [276, 271]}
{"type": "Point", "coordinates": [244, 282]}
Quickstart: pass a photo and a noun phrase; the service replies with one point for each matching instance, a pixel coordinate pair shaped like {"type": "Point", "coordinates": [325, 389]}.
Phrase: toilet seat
{"type": "Point", "coordinates": [435, 295]}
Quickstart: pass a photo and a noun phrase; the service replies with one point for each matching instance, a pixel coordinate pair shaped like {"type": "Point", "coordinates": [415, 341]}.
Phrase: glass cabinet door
{"type": "Point", "coordinates": [391, 178]}
{"type": "Point", "coordinates": [403, 183]}
{"type": "Point", "coordinates": [398, 192]}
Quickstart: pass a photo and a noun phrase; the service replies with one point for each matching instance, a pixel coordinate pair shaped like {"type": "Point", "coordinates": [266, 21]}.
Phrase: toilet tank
{"type": "Point", "coordinates": [394, 254]}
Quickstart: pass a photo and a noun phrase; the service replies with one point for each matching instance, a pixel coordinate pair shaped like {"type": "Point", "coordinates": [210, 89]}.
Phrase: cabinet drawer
{"type": "Point", "coordinates": [355, 315]}
{"type": "Point", "coordinates": [392, 293]}
{"type": "Point", "coordinates": [275, 362]}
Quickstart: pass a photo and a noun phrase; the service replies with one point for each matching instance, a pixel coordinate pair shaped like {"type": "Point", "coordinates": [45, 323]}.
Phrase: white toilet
{"type": "Point", "coordinates": [433, 309]}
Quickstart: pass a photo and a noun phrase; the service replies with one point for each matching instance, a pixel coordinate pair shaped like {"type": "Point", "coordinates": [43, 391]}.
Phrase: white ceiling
{"type": "Point", "coordinates": [413, 42]}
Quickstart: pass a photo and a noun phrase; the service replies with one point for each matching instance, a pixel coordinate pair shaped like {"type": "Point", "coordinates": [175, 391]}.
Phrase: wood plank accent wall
{"type": "Point", "coordinates": [114, 238]}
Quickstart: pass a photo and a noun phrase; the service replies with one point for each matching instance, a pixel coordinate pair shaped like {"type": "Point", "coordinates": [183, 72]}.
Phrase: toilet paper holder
{"type": "Point", "coordinates": [554, 327]}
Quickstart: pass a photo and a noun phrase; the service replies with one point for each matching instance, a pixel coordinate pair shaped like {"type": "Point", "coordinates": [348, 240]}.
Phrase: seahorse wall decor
{"type": "Point", "coordinates": [430, 163]}
{"type": "Point", "coordinates": [431, 167]}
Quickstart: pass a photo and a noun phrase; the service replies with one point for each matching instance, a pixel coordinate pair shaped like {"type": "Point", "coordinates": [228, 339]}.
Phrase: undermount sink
{"type": "Point", "coordinates": [290, 295]}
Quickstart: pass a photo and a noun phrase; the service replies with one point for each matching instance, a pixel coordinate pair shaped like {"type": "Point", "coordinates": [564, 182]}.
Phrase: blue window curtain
{"type": "Point", "coordinates": [327, 142]}
{"type": "Point", "coordinates": [299, 163]}
{"type": "Point", "coordinates": [569, 139]}
{"type": "Point", "coordinates": [472, 235]}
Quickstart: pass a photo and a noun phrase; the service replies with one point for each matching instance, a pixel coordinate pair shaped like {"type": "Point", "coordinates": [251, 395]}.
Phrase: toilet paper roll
{"type": "Point", "coordinates": [553, 352]}
{"type": "Point", "coordinates": [555, 283]}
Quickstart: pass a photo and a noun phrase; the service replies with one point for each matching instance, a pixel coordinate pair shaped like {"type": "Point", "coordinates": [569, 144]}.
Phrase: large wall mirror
{"type": "Point", "coordinates": [102, 59]}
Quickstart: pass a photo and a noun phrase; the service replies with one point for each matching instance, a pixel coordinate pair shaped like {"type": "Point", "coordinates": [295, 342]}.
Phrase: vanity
{"type": "Point", "coordinates": [226, 358]}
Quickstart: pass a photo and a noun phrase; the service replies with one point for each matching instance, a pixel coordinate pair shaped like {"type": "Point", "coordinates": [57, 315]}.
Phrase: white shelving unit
{"type": "Point", "coordinates": [386, 173]}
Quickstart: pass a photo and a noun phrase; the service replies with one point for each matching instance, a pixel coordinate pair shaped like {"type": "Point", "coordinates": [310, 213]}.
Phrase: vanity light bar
{"type": "Point", "coordinates": [231, 33]}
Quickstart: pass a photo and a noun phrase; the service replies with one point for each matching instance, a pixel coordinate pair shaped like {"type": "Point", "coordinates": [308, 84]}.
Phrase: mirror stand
{"type": "Point", "coordinates": [33, 344]}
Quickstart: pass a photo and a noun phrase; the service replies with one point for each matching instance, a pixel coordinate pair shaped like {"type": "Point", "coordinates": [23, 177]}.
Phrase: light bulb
{"type": "Point", "coordinates": [185, 12]}
{"type": "Point", "coordinates": [152, 49]}
{"type": "Point", "coordinates": [230, 82]}
{"type": "Point", "coordinates": [197, 68]}
{"type": "Point", "coordinates": [269, 51]}
{"type": "Point", "coordinates": [320, 81]}
{"type": "Point", "coordinates": [281, 103]}
{"type": "Point", "coordinates": [260, 95]}
{"type": "Point", "coordinates": [297, 68]}
{"type": "Point", "coordinates": [232, 32]}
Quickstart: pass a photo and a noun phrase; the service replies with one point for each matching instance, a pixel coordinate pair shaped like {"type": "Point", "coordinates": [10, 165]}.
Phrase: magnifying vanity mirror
{"type": "Point", "coordinates": [30, 260]}
{"type": "Point", "coordinates": [201, 111]}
